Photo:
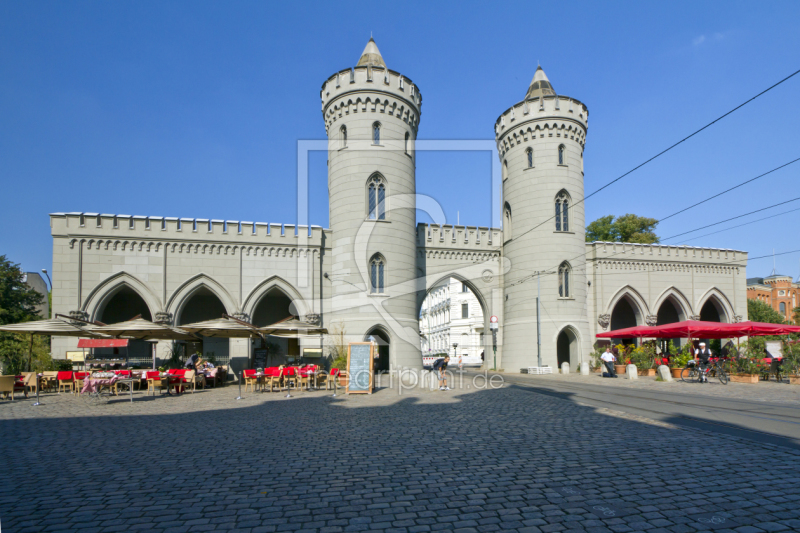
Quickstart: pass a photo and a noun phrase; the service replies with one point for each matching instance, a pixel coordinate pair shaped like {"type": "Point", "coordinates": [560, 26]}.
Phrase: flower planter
{"type": "Point", "coordinates": [794, 380]}
{"type": "Point", "coordinates": [598, 370]}
{"type": "Point", "coordinates": [619, 369]}
{"type": "Point", "coordinates": [676, 372]}
{"type": "Point", "coordinates": [744, 378]}
{"type": "Point", "coordinates": [647, 372]}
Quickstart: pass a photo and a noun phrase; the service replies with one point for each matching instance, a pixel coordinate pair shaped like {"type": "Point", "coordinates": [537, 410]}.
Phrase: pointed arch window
{"type": "Point", "coordinates": [377, 274]}
{"type": "Point", "coordinates": [505, 170]}
{"type": "Point", "coordinates": [376, 198]}
{"type": "Point", "coordinates": [376, 133]}
{"type": "Point", "coordinates": [562, 211]}
{"type": "Point", "coordinates": [343, 137]}
{"type": "Point", "coordinates": [564, 272]}
{"type": "Point", "coordinates": [562, 158]}
{"type": "Point", "coordinates": [507, 221]}
{"type": "Point", "coordinates": [529, 157]}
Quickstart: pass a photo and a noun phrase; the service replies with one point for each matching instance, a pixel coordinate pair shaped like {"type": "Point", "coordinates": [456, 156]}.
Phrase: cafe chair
{"type": "Point", "coordinates": [49, 380]}
{"type": "Point", "coordinates": [153, 381]}
{"type": "Point", "coordinates": [79, 377]}
{"type": "Point", "coordinates": [65, 381]}
{"type": "Point", "coordinates": [250, 379]}
{"type": "Point", "coordinates": [7, 386]}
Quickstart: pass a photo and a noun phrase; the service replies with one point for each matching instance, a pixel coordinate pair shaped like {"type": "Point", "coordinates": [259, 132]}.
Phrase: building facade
{"type": "Point", "coordinates": [451, 314]}
{"type": "Point", "coordinates": [370, 272]}
{"type": "Point", "coordinates": [777, 291]}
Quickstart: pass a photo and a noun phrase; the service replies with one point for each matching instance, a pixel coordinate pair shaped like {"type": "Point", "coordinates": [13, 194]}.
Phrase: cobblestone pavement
{"type": "Point", "coordinates": [488, 460]}
{"type": "Point", "coordinates": [762, 391]}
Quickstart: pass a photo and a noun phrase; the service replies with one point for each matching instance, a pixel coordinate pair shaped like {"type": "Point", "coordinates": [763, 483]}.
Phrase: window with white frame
{"type": "Point", "coordinates": [563, 280]}
{"type": "Point", "coordinates": [465, 310]}
{"type": "Point", "coordinates": [562, 211]}
{"type": "Point", "coordinates": [376, 197]}
{"type": "Point", "coordinates": [377, 274]}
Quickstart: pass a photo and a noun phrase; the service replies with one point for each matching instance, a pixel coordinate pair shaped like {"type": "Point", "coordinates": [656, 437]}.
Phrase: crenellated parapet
{"type": "Point", "coordinates": [370, 90]}
{"type": "Point", "coordinates": [452, 237]}
{"type": "Point", "coordinates": [126, 232]}
{"type": "Point", "coordinates": [664, 258]}
{"type": "Point", "coordinates": [544, 117]}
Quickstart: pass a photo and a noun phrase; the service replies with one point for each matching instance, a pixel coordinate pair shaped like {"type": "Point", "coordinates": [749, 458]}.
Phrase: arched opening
{"type": "Point", "coordinates": [452, 312]}
{"type": "Point", "coordinates": [273, 306]}
{"type": "Point", "coordinates": [567, 348]}
{"type": "Point", "coordinates": [710, 312]}
{"type": "Point", "coordinates": [379, 336]}
{"type": "Point", "coordinates": [624, 316]}
{"type": "Point", "coordinates": [202, 305]}
{"type": "Point", "coordinates": [668, 313]}
{"type": "Point", "coordinates": [121, 305]}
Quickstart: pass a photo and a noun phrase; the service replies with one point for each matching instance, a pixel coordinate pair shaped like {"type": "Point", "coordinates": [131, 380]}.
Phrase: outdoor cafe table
{"type": "Point", "coordinates": [95, 384]}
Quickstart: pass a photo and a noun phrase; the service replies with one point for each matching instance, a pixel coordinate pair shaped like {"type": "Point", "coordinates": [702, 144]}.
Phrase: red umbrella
{"type": "Point", "coordinates": [627, 333]}
{"type": "Point", "coordinates": [764, 328]}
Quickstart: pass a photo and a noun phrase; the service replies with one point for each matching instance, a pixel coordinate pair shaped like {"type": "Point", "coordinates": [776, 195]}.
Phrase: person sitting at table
{"type": "Point", "coordinates": [191, 363]}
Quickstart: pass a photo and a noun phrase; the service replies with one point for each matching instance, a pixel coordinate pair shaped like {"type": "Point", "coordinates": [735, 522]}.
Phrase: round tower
{"type": "Point", "coordinates": [371, 117]}
{"type": "Point", "coordinates": [540, 141]}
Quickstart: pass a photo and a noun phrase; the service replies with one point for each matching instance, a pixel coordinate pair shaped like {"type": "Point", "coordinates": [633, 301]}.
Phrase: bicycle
{"type": "Point", "coordinates": [692, 372]}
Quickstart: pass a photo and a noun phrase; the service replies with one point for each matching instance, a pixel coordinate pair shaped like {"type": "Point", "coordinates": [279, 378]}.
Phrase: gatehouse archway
{"type": "Point", "coordinates": [381, 337]}
{"type": "Point", "coordinates": [567, 348]}
{"type": "Point", "coordinates": [204, 304]}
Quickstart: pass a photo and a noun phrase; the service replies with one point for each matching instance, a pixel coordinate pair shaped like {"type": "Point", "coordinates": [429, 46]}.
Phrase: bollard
{"type": "Point", "coordinates": [565, 368]}
{"type": "Point", "coordinates": [664, 372]}
{"type": "Point", "coordinates": [631, 373]}
{"type": "Point", "coordinates": [584, 368]}
{"type": "Point", "coordinates": [240, 386]}
{"type": "Point", "coordinates": [37, 391]}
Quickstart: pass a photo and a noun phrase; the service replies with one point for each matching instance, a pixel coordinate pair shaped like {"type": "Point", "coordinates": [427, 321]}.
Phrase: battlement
{"type": "Point", "coordinates": [452, 237]}
{"type": "Point", "coordinates": [542, 108]}
{"type": "Point", "coordinates": [391, 93]}
{"type": "Point", "coordinates": [126, 227]}
{"type": "Point", "coordinates": [624, 251]}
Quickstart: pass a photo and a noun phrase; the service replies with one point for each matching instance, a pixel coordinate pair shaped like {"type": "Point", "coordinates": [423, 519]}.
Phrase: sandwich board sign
{"type": "Point", "coordinates": [360, 357]}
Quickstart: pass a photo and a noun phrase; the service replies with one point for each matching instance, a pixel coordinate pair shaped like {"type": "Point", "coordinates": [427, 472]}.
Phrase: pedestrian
{"type": "Point", "coordinates": [608, 360]}
{"type": "Point", "coordinates": [703, 354]}
{"type": "Point", "coordinates": [440, 367]}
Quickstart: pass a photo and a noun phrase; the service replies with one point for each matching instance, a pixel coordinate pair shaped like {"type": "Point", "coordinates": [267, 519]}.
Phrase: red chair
{"type": "Point", "coordinates": [250, 379]}
{"type": "Point", "coordinates": [65, 380]}
{"type": "Point", "coordinates": [272, 376]}
{"type": "Point", "coordinates": [19, 385]}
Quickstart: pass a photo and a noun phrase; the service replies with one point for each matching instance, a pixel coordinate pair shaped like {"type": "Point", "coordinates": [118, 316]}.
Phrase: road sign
{"type": "Point", "coordinates": [493, 320]}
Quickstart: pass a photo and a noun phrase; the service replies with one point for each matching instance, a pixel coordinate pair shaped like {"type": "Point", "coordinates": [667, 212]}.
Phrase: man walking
{"type": "Point", "coordinates": [608, 360]}
{"type": "Point", "coordinates": [440, 367]}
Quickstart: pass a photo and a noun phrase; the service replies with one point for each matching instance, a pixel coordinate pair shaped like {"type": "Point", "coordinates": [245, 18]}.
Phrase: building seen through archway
{"type": "Point", "coordinates": [451, 314]}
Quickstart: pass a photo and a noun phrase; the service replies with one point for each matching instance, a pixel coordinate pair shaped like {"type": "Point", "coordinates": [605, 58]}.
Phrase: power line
{"type": "Point", "coordinates": [745, 224]}
{"type": "Point", "coordinates": [670, 148]}
{"type": "Point", "coordinates": [728, 190]}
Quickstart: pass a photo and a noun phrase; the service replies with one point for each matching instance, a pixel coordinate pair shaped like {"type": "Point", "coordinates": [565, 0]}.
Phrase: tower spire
{"type": "Point", "coordinates": [540, 85]}
{"type": "Point", "coordinates": [371, 56]}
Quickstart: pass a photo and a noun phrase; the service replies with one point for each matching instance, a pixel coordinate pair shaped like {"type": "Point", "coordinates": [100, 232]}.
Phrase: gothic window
{"type": "Point", "coordinates": [377, 266]}
{"type": "Point", "coordinates": [563, 280]}
{"type": "Point", "coordinates": [376, 133]}
{"type": "Point", "coordinates": [343, 137]}
{"type": "Point", "coordinates": [507, 221]}
{"type": "Point", "coordinates": [376, 197]}
{"type": "Point", "coordinates": [561, 155]}
{"type": "Point", "coordinates": [529, 155]}
{"type": "Point", "coordinates": [562, 211]}
{"type": "Point", "coordinates": [505, 170]}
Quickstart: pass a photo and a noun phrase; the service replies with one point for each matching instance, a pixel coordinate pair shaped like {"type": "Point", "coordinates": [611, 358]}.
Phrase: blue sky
{"type": "Point", "coordinates": [194, 109]}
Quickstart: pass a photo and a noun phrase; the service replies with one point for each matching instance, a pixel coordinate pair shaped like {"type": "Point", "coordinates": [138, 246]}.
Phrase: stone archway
{"type": "Point", "coordinates": [200, 305]}
{"type": "Point", "coordinates": [383, 339]}
{"type": "Point", "coordinates": [567, 349]}
{"type": "Point", "coordinates": [120, 304]}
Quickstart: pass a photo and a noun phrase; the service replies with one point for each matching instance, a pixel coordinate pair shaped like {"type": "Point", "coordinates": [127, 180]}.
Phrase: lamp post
{"type": "Point", "coordinates": [455, 346]}
{"type": "Point", "coordinates": [51, 289]}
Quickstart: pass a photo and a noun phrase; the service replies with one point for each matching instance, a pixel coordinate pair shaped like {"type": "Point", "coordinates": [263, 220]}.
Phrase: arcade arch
{"type": "Point", "coordinates": [568, 348]}
{"type": "Point", "coordinates": [204, 304]}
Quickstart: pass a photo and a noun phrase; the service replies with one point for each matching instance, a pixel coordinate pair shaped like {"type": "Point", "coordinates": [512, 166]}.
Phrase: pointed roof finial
{"type": "Point", "coordinates": [371, 56]}
{"type": "Point", "coordinates": [540, 85]}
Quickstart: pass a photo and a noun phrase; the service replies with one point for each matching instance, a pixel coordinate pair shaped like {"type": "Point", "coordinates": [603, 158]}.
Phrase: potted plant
{"type": "Point", "coordinates": [644, 357]}
{"type": "Point", "coordinates": [338, 353]}
{"type": "Point", "coordinates": [791, 361]}
{"type": "Point", "coordinates": [746, 365]}
{"type": "Point", "coordinates": [623, 359]}
{"type": "Point", "coordinates": [679, 361]}
{"type": "Point", "coordinates": [595, 360]}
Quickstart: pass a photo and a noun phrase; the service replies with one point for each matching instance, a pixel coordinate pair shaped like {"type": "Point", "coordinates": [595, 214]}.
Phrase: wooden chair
{"type": "Point", "coordinates": [153, 381]}
{"type": "Point", "coordinates": [49, 380]}
{"type": "Point", "coordinates": [7, 386]}
{"type": "Point", "coordinates": [250, 379]}
{"type": "Point", "coordinates": [79, 377]}
{"type": "Point", "coordinates": [29, 380]}
{"type": "Point", "coordinates": [191, 377]}
{"type": "Point", "coordinates": [65, 381]}
{"type": "Point", "coordinates": [272, 377]}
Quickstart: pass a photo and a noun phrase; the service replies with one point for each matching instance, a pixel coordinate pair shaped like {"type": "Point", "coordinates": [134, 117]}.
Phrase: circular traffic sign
{"type": "Point", "coordinates": [493, 320]}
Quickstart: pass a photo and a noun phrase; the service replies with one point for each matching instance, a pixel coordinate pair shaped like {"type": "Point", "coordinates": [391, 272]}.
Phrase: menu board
{"type": "Point", "coordinates": [359, 367]}
{"type": "Point", "coordinates": [260, 358]}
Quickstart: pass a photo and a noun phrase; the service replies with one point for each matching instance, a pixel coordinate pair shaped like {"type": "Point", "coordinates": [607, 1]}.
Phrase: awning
{"type": "Point", "coordinates": [102, 343]}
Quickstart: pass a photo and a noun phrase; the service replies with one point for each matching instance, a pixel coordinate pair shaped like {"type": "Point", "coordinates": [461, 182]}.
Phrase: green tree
{"type": "Point", "coordinates": [796, 315]}
{"type": "Point", "coordinates": [758, 311]}
{"type": "Point", "coordinates": [627, 228]}
{"type": "Point", "coordinates": [18, 303]}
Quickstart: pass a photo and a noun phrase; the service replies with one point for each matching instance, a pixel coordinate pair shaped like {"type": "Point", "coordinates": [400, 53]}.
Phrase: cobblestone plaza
{"type": "Point", "coordinates": [485, 460]}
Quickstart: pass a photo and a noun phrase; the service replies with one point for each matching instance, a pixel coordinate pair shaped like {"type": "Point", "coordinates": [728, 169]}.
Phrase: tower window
{"type": "Point", "coordinates": [507, 221]}
{"type": "Point", "coordinates": [406, 145]}
{"type": "Point", "coordinates": [377, 266]}
{"type": "Point", "coordinates": [343, 137]}
{"type": "Point", "coordinates": [505, 170]}
{"type": "Point", "coordinates": [561, 155]}
{"type": "Point", "coordinates": [529, 155]}
{"type": "Point", "coordinates": [562, 211]}
{"type": "Point", "coordinates": [563, 280]}
{"type": "Point", "coordinates": [376, 133]}
{"type": "Point", "coordinates": [376, 197]}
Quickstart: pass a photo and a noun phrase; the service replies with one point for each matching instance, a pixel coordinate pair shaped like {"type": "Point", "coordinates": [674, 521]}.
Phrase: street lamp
{"type": "Point", "coordinates": [455, 354]}
{"type": "Point", "coordinates": [51, 288]}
